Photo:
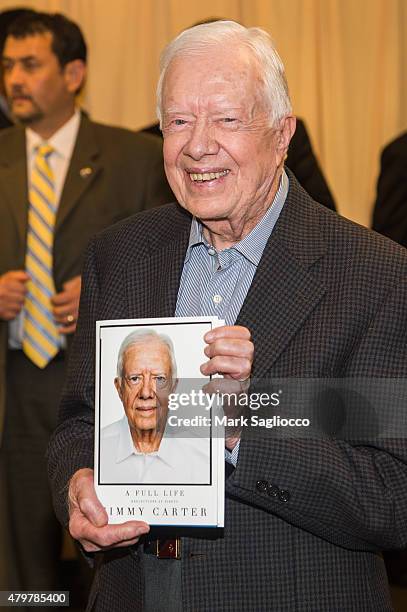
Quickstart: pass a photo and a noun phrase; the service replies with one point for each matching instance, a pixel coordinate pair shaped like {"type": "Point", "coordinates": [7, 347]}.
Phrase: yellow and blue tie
{"type": "Point", "coordinates": [41, 340]}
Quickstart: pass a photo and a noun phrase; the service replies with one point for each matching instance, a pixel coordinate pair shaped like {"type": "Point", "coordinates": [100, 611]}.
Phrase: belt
{"type": "Point", "coordinates": [164, 549]}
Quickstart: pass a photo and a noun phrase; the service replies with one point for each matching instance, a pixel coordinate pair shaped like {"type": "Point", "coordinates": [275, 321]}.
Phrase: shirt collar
{"type": "Point", "coordinates": [252, 245]}
{"type": "Point", "coordinates": [63, 141]}
{"type": "Point", "coordinates": [125, 447]}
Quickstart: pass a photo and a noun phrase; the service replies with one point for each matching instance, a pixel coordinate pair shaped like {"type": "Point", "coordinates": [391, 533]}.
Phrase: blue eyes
{"type": "Point", "coordinates": [137, 379]}
{"type": "Point", "coordinates": [134, 380]}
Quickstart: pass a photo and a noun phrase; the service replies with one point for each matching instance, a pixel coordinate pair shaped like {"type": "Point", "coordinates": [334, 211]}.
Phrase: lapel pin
{"type": "Point", "coordinates": [85, 172]}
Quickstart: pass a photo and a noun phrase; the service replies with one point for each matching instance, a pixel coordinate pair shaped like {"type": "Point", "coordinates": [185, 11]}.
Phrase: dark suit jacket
{"type": "Point", "coordinates": [329, 299]}
{"type": "Point", "coordinates": [301, 160]}
{"type": "Point", "coordinates": [123, 174]}
{"type": "Point", "coordinates": [390, 209]}
{"type": "Point", "coordinates": [5, 122]}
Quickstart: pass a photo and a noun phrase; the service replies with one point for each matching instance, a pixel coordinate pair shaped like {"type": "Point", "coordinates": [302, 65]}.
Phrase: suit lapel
{"type": "Point", "coordinates": [160, 277]}
{"type": "Point", "coordinates": [284, 290]}
{"type": "Point", "coordinates": [282, 296]}
{"type": "Point", "coordinates": [83, 170]}
{"type": "Point", "coordinates": [13, 181]}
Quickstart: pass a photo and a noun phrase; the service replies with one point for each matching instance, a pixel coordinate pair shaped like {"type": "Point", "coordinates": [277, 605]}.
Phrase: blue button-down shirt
{"type": "Point", "coordinates": [215, 283]}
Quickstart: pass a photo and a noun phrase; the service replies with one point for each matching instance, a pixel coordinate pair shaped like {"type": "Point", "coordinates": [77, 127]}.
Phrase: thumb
{"type": "Point", "coordinates": [93, 510]}
{"type": "Point", "coordinates": [82, 495]}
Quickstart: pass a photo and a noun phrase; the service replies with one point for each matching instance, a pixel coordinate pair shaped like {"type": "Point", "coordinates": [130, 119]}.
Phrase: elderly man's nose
{"type": "Point", "coordinates": [202, 141]}
{"type": "Point", "coordinates": [148, 387]}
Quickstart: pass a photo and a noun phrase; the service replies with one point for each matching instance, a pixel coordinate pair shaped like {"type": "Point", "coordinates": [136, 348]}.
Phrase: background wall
{"type": "Point", "coordinates": [346, 63]}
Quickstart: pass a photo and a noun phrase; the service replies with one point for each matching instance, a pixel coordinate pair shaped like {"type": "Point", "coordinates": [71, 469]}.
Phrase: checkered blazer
{"type": "Point", "coordinates": [329, 299]}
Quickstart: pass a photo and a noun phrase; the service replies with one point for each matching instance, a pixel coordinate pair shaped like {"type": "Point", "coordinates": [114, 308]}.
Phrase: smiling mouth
{"type": "Point", "coordinates": [202, 177]}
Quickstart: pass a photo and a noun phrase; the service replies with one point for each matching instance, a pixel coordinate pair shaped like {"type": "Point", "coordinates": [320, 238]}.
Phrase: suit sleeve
{"type": "Point", "coordinates": [302, 162]}
{"type": "Point", "coordinates": [390, 208]}
{"type": "Point", "coordinates": [352, 494]}
{"type": "Point", "coordinates": [71, 446]}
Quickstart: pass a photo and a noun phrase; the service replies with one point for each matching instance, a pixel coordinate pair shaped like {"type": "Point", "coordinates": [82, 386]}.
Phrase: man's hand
{"type": "Point", "coordinates": [12, 293]}
{"type": "Point", "coordinates": [66, 305]}
{"type": "Point", "coordinates": [88, 521]}
{"type": "Point", "coordinates": [230, 351]}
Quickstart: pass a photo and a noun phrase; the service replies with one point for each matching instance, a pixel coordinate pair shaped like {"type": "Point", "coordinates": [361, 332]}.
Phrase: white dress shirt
{"type": "Point", "coordinates": [63, 142]}
{"type": "Point", "coordinates": [179, 460]}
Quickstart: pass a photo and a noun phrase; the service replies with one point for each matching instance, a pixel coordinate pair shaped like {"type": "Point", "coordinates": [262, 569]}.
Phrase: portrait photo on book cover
{"type": "Point", "coordinates": [142, 367]}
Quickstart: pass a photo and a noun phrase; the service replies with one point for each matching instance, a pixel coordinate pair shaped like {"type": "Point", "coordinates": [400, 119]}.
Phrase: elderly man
{"type": "Point", "coordinates": [137, 448]}
{"type": "Point", "coordinates": [304, 293]}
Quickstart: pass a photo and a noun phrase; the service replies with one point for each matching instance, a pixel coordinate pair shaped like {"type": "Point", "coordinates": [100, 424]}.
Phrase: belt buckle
{"type": "Point", "coordinates": [168, 549]}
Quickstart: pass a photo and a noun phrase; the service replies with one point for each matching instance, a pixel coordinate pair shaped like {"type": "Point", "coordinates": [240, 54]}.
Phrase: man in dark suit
{"type": "Point", "coordinates": [92, 176]}
{"type": "Point", "coordinates": [390, 209]}
{"type": "Point", "coordinates": [305, 294]}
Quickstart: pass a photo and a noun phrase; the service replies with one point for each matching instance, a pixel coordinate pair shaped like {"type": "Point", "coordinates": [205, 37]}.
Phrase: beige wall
{"type": "Point", "coordinates": [346, 62]}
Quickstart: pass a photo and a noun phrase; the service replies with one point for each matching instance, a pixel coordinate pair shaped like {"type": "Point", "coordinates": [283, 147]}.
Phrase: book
{"type": "Point", "coordinates": [158, 457]}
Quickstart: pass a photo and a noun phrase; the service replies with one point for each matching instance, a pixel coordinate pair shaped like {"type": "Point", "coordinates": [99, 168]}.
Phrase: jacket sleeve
{"type": "Point", "coordinates": [71, 446]}
{"type": "Point", "coordinates": [352, 494]}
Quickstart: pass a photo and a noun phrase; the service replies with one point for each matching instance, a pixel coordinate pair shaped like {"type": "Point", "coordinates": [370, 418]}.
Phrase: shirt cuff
{"type": "Point", "coordinates": [232, 456]}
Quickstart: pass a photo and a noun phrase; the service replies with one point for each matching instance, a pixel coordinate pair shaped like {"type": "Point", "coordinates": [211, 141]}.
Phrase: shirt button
{"type": "Point", "coordinates": [217, 299]}
{"type": "Point", "coordinates": [211, 251]}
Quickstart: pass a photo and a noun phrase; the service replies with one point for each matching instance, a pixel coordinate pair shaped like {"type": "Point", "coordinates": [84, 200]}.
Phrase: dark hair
{"type": "Point", "coordinates": [6, 19]}
{"type": "Point", "coordinates": [68, 43]}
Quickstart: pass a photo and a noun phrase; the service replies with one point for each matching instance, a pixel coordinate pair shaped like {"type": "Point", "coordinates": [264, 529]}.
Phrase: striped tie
{"type": "Point", "coordinates": [41, 341]}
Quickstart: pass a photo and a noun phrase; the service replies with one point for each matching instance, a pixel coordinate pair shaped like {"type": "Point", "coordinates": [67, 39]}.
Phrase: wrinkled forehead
{"type": "Point", "coordinates": [205, 70]}
{"type": "Point", "coordinates": [150, 353]}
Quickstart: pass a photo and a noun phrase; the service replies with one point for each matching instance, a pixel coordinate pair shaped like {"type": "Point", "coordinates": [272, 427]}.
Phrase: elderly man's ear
{"type": "Point", "coordinates": [117, 384]}
{"type": "Point", "coordinates": [284, 135]}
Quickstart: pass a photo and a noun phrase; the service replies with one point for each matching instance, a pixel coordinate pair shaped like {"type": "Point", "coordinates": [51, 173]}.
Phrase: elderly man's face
{"type": "Point", "coordinates": [145, 385]}
{"type": "Point", "coordinates": [221, 156]}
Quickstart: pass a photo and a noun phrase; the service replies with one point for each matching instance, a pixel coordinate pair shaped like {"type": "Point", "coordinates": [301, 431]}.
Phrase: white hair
{"type": "Point", "coordinates": [198, 39]}
{"type": "Point", "coordinates": [139, 336]}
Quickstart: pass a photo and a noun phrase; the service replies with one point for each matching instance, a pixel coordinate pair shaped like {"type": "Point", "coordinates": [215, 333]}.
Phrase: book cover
{"type": "Point", "coordinates": [158, 457]}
